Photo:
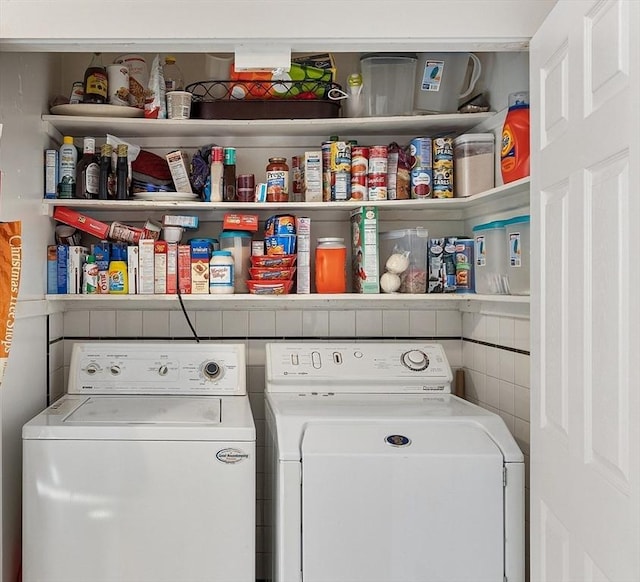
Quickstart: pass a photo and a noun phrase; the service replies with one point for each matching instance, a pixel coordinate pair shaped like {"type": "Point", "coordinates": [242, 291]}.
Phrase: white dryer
{"type": "Point", "coordinates": [379, 474]}
{"type": "Point", "coordinates": [145, 471]}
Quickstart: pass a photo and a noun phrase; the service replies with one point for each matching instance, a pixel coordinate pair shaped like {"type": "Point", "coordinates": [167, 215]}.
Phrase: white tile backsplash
{"type": "Point", "coordinates": [493, 362]}
{"type": "Point", "coordinates": [76, 324]}
{"type": "Point", "coordinates": [235, 323]}
{"type": "Point", "coordinates": [492, 392]}
{"type": "Point", "coordinates": [289, 323]}
{"type": "Point", "coordinates": [368, 323]}
{"type": "Point", "coordinates": [262, 323]}
{"type": "Point", "coordinates": [506, 401]}
{"type": "Point", "coordinates": [522, 370]}
{"type": "Point", "coordinates": [507, 332]}
{"type": "Point", "coordinates": [209, 323]}
{"type": "Point", "coordinates": [492, 329]}
{"type": "Point", "coordinates": [422, 323]}
{"type": "Point", "coordinates": [449, 323]}
{"type": "Point", "coordinates": [128, 324]}
{"type": "Point", "coordinates": [102, 324]}
{"type": "Point", "coordinates": [315, 323]}
{"type": "Point", "coordinates": [155, 324]}
{"type": "Point", "coordinates": [507, 365]}
{"type": "Point", "coordinates": [479, 358]}
{"type": "Point", "coordinates": [342, 323]}
{"type": "Point", "coordinates": [56, 326]}
{"type": "Point", "coordinates": [521, 334]}
{"type": "Point", "coordinates": [395, 323]}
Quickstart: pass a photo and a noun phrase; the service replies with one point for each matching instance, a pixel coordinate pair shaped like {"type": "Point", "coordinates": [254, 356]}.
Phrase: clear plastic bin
{"type": "Point", "coordinates": [517, 269]}
{"type": "Point", "coordinates": [473, 163]}
{"type": "Point", "coordinates": [238, 242]}
{"type": "Point", "coordinates": [387, 83]}
{"type": "Point", "coordinates": [490, 258]}
{"type": "Point", "coordinates": [411, 244]}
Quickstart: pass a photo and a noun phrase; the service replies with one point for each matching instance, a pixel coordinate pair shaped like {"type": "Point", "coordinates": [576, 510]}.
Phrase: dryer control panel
{"type": "Point", "coordinates": [157, 368]}
{"type": "Point", "coordinates": [358, 368]}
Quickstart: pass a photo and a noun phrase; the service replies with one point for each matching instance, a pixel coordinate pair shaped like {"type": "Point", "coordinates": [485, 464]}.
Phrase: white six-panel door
{"type": "Point", "coordinates": [585, 317]}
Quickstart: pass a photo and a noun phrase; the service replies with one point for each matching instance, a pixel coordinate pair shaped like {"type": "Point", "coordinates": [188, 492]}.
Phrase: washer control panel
{"type": "Point", "coordinates": [157, 368]}
{"type": "Point", "coordinates": [358, 367]}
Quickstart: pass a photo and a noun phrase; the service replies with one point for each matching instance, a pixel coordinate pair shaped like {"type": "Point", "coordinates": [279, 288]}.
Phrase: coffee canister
{"type": "Point", "coordinates": [118, 84]}
{"type": "Point", "coordinates": [138, 78]}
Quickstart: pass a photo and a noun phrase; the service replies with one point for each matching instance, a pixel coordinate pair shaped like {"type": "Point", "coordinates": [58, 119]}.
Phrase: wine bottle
{"type": "Point", "coordinates": [88, 171]}
{"type": "Point", "coordinates": [122, 172]}
{"type": "Point", "coordinates": [95, 81]}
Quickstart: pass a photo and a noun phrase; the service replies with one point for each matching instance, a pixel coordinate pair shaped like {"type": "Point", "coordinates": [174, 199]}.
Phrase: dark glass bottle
{"type": "Point", "coordinates": [88, 171]}
{"type": "Point", "coordinates": [105, 171]}
{"type": "Point", "coordinates": [229, 175]}
{"type": "Point", "coordinates": [95, 81]}
{"type": "Point", "coordinates": [122, 172]}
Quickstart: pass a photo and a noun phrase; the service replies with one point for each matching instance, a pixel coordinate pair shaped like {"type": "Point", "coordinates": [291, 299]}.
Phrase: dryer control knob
{"type": "Point", "coordinates": [92, 369]}
{"type": "Point", "coordinates": [115, 370]}
{"type": "Point", "coordinates": [163, 370]}
{"type": "Point", "coordinates": [211, 370]}
{"type": "Point", "coordinates": [415, 360]}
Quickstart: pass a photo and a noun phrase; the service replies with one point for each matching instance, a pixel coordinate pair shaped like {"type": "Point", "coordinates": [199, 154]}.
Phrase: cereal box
{"type": "Point", "coordinates": [364, 250]}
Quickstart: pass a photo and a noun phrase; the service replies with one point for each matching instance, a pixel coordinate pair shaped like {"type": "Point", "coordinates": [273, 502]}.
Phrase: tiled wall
{"type": "Point", "coordinates": [497, 377]}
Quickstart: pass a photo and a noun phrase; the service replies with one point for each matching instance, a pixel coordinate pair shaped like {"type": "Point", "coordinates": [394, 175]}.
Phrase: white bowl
{"type": "Point", "coordinates": [172, 234]}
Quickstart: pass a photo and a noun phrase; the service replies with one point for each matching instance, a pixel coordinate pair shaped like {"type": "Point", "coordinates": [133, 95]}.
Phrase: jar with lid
{"type": "Point", "coordinates": [238, 243]}
{"type": "Point", "coordinates": [221, 267]}
{"type": "Point", "coordinates": [331, 265]}
{"type": "Point", "coordinates": [277, 180]}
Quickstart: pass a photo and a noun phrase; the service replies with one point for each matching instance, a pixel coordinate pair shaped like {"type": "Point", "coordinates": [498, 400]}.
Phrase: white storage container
{"type": "Point", "coordinates": [517, 270]}
{"type": "Point", "coordinates": [490, 258]}
{"type": "Point", "coordinates": [409, 249]}
{"type": "Point", "coordinates": [473, 164]}
{"type": "Point", "coordinates": [387, 83]}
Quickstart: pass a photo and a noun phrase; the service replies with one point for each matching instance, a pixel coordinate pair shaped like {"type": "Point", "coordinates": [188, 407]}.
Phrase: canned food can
{"type": "Point", "coordinates": [326, 171]}
{"type": "Point", "coordinates": [443, 167]}
{"type": "Point", "coordinates": [50, 173]}
{"type": "Point", "coordinates": [340, 163]}
{"type": "Point", "coordinates": [138, 78]}
{"type": "Point", "coordinates": [378, 159]}
{"type": "Point", "coordinates": [420, 151]}
{"type": "Point", "coordinates": [124, 233]}
{"type": "Point", "coordinates": [77, 93]}
{"type": "Point", "coordinates": [377, 187]}
{"type": "Point", "coordinates": [118, 84]}
{"type": "Point", "coordinates": [464, 266]}
{"type": "Point", "coordinates": [359, 185]}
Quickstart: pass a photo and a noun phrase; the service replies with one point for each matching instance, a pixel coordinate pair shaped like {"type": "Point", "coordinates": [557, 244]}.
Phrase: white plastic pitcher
{"type": "Point", "coordinates": [440, 78]}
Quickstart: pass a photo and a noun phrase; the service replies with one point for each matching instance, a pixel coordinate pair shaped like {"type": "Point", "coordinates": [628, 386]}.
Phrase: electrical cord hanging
{"type": "Point", "coordinates": [186, 316]}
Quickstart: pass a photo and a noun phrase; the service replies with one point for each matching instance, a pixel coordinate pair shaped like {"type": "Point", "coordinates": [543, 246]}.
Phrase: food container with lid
{"type": "Point", "coordinates": [490, 258]}
{"type": "Point", "coordinates": [404, 253]}
{"type": "Point", "coordinates": [387, 83]}
{"type": "Point", "coordinates": [473, 163]}
{"type": "Point", "coordinates": [517, 262]}
{"type": "Point", "coordinates": [238, 242]}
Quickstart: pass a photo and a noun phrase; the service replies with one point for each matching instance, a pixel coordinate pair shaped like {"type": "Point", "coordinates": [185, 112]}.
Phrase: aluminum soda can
{"type": "Point", "coordinates": [464, 266]}
{"type": "Point", "coordinates": [340, 163]}
{"type": "Point", "coordinates": [377, 177]}
{"type": "Point", "coordinates": [443, 167]}
{"type": "Point", "coordinates": [420, 150]}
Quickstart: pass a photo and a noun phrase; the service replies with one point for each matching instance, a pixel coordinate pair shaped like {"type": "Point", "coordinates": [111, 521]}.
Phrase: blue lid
{"type": "Point", "coordinates": [489, 225]}
{"type": "Point", "coordinates": [525, 218]}
{"type": "Point", "coordinates": [235, 233]}
{"type": "Point", "coordinates": [221, 253]}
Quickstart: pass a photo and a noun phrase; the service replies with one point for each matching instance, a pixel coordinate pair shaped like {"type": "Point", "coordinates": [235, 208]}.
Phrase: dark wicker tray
{"type": "Point", "coordinates": [295, 100]}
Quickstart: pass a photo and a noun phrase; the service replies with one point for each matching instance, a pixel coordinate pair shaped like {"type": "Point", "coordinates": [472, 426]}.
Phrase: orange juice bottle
{"type": "Point", "coordinates": [331, 265]}
{"type": "Point", "coordinates": [514, 153]}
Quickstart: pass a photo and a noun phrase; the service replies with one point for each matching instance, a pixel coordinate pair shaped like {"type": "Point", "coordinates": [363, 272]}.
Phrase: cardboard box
{"type": "Point", "coordinates": [146, 267]}
{"type": "Point", "coordinates": [312, 176]}
{"type": "Point", "coordinates": [81, 221]}
{"type": "Point", "coordinates": [200, 257]}
{"type": "Point", "coordinates": [133, 267]}
{"type": "Point", "coordinates": [234, 221]}
{"type": "Point", "coordinates": [102, 252]}
{"type": "Point", "coordinates": [184, 269]}
{"type": "Point", "coordinates": [172, 268]}
{"type": "Point", "coordinates": [364, 250]}
{"type": "Point", "coordinates": [178, 167]}
{"type": "Point", "coordinates": [76, 260]}
{"type": "Point", "coordinates": [62, 260]}
{"type": "Point", "coordinates": [160, 267]}
{"type": "Point", "coordinates": [178, 220]}
{"type": "Point", "coordinates": [52, 270]}
{"type": "Point", "coordinates": [303, 272]}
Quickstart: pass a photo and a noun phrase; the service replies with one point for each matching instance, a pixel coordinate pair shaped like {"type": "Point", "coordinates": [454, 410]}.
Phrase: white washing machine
{"type": "Point", "coordinates": [145, 471]}
{"type": "Point", "coordinates": [379, 474]}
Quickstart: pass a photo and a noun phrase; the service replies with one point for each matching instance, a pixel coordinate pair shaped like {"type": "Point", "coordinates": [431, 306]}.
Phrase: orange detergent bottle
{"type": "Point", "coordinates": [331, 265]}
{"type": "Point", "coordinates": [514, 154]}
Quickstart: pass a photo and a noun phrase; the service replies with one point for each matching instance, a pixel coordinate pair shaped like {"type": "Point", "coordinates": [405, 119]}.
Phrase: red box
{"type": "Point", "coordinates": [233, 221]}
{"type": "Point", "coordinates": [81, 221]}
{"type": "Point", "coordinates": [184, 269]}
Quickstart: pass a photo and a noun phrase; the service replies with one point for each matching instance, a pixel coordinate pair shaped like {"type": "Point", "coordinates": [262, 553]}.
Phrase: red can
{"type": "Point", "coordinates": [377, 177]}
{"type": "Point", "coordinates": [359, 171]}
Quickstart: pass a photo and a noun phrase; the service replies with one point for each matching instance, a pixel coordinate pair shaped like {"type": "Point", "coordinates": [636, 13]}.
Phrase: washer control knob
{"type": "Point", "coordinates": [415, 360]}
{"type": "Point", "coordinates": [115, 370]}
{"type": "Point", "coordinates": [163, 370]}
{"type": "Point", "coordinates": [211, 370]}
{"type": "Point", "coordinates": [92, 369]}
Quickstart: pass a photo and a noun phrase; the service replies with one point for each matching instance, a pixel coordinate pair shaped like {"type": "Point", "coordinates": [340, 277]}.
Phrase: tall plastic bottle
{"type": "Point", "coordinates": [118, 277]}
{"type": "Point", "coordinates": [173, 79]}
{"type": "Point", "coordinates": [514, 153]}
{"type": "Point", "coordinates": [67, 165]}
{"type": "Point", "coordinates": [90, 276]}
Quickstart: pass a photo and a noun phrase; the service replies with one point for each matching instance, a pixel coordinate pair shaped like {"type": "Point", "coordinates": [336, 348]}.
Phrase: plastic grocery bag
{"type": "Point", "coordinates": [10, 267]}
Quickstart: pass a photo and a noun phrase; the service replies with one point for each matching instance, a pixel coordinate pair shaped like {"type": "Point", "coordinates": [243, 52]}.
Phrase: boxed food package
{"type": "Point", "coordinates": [133, 266]}
{"type": "Point", "coordinates": [178, 166]}
{"type": "Point", "coordinates": [160, 268]}
{"type": "Point", "coordinates": [172, 268]}
{"type": "Point", "coordinates": [200, 257]}
{"type": "Point", "coordinates": [303, 229]}
{"type": "Point", "coordinates": [311, 176]}
{"type": "Point", "coordinates": [364, 250]}
{"type": "Point", "coordinates": [146, 266]}
{"type": "Point", "coordinates": [184, 269]}
{"type": "Point", "coordinates": [76, 260]}
{"type": "Point", "coordinates": [52, 270]}
{"type": "Point", "coordinates": [235, 221]}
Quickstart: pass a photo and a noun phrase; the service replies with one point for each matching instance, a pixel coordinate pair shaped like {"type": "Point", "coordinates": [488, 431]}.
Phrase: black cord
{"type": "Point", "coordinates": [186, 316]}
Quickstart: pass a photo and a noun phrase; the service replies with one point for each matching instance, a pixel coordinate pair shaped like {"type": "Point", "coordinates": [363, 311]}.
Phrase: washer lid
{"type": "Point", "coordinates": [115, 410]}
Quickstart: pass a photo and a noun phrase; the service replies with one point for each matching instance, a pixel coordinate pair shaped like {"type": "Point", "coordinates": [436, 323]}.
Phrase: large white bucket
{"type": "Point", "coordinates": [440, 78]}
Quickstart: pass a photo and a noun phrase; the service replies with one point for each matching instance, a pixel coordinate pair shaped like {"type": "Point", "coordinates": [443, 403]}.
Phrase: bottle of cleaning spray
{"type": "Point", "coordinates": [118, 277]}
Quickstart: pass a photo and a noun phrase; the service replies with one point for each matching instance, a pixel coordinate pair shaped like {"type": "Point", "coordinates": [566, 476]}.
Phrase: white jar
{"type": "Point", "coordinates": [221, 271]}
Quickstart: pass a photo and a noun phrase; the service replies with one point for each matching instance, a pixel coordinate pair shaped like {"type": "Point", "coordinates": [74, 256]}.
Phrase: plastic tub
{"type": "Point", "coordinates": [440, 79]}
{"type": "Point", "coordinates": [239, 243]}
{"type": "Point", "coordinates": [412, 244]}
{"type": "Point", "coordinates": [387, 80]}
{"type": "Point", "coordinates": [517, 262]}
{"type": "Point", "coordinates": [490, 258]}
{"type": "Point", "coordinates": [473, 163]}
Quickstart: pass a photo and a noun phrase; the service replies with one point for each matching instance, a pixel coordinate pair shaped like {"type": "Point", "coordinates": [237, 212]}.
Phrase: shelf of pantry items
{"type": "Point", "coordinates": [501, 198]}
{"type": "Point", "coordinates": [346, 301]}
{"type": "Point", "coordinates": [409, 125]}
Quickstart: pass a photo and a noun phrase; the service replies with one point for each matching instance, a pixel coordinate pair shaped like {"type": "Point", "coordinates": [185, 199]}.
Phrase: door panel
{"type": "Point", "coordinates": [585, 438]}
